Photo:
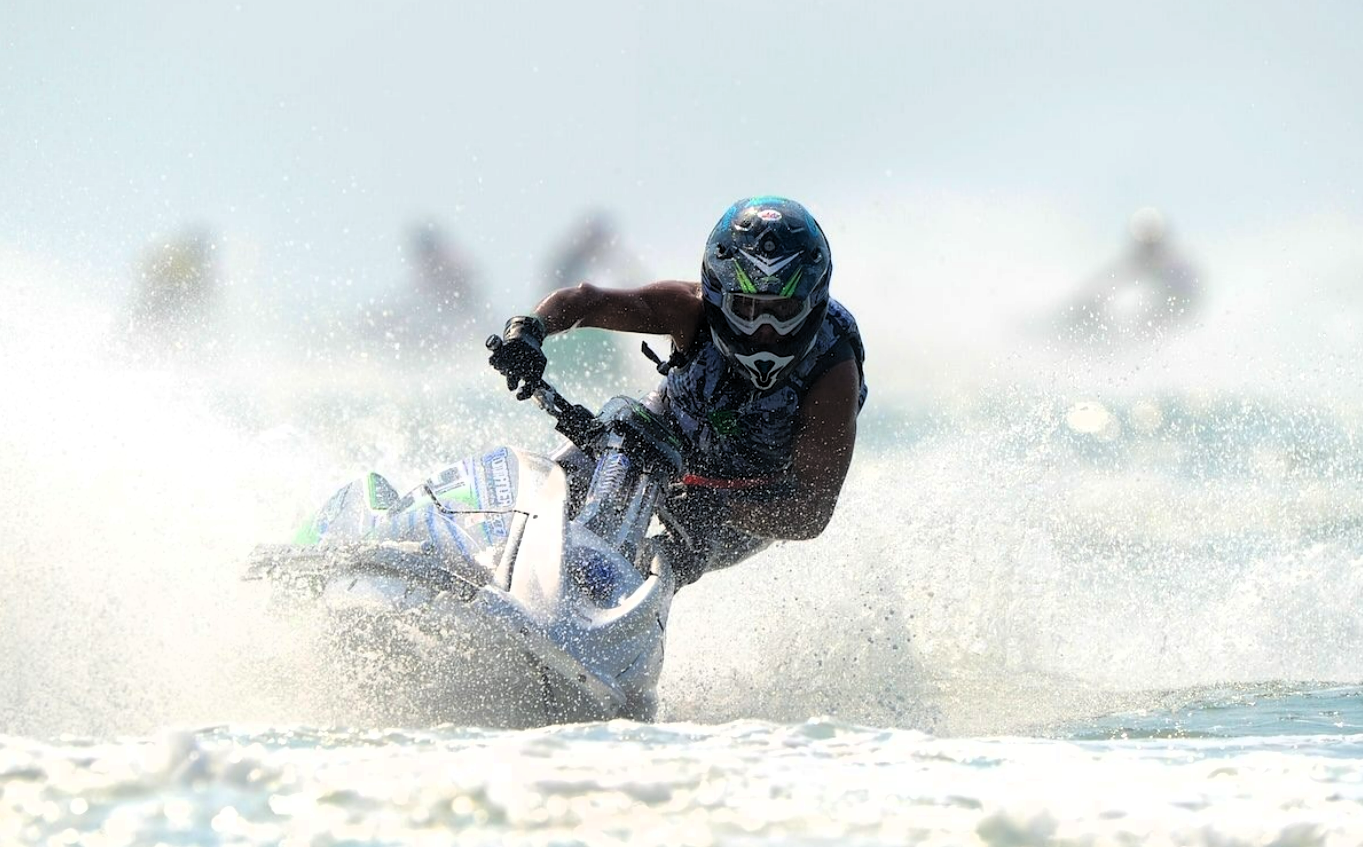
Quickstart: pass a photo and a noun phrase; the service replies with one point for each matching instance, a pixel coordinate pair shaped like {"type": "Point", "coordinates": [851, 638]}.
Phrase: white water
{"type": "Point", "coordinates": [1031, 536]}
{"type": "Point", "coordinates": [812, 783]}
{"type": "Point", "coordinates": [995, 563]}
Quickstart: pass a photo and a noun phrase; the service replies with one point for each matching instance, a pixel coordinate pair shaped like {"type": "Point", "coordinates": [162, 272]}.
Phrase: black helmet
{"type": "Point", "coordinates": [766, 263]}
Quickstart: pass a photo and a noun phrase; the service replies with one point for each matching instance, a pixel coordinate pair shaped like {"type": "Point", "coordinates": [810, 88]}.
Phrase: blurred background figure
{"type": "Point", "coordinates": [1149, 292]}
{"type": "Point", "coordinates": [175, 294]}
{"type": "Point", "coordinates": [591, 364]}
{"type": "Point", "coordinates": [592, 252]}
{"type": "Point", "coordinates": [442, 275]}
{"type": "Point", "coordinates": [435, 310]}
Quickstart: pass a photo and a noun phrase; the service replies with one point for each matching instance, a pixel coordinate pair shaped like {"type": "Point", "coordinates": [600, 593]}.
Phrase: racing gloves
{"type": "Point", "coordinates": [517, 354]}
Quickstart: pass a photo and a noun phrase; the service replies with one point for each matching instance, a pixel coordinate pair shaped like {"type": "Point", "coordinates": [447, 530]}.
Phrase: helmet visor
{"type": "Point", "coordinates": [747, 312]}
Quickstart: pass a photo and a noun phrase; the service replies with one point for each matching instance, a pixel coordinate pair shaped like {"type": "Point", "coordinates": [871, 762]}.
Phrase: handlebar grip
{"type": "Point", "coordinates": [574, 421]}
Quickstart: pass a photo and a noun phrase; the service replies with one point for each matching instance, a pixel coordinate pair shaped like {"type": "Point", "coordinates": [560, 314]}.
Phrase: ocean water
{"type": "Point", "coordinates": [1094, 596]}
{"type": "Point", "coordinates": [1242, 778]}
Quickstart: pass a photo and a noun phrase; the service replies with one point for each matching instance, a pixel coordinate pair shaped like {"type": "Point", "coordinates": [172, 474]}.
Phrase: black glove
{"type": "Point", "coordinates": [517, 354]}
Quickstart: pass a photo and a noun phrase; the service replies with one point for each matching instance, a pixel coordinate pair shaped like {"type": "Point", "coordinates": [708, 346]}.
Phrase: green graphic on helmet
{"type": "Point", "coordinates": [743, 281]}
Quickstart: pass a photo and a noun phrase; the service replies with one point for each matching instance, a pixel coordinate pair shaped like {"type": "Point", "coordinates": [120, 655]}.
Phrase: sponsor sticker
{"type": "Point", "coordinates": [497, 470]}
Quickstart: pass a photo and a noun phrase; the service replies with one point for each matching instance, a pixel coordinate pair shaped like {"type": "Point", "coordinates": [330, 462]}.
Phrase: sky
{"type": "Point", "coordinates": [309, 134]}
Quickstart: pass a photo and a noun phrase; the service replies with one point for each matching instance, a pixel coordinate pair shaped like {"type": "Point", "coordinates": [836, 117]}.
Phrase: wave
{"type": "Point", "coordinates": [1005, 555]}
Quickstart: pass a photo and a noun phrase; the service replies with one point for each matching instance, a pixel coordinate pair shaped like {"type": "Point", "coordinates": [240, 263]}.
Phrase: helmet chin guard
{"type": "Point", "coordinates": [762, 368]}
{"type": "Point", "coordinates": [767, 264]}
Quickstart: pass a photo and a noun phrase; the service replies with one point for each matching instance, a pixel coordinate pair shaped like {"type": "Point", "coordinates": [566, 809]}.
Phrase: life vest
{"type": "Point", "coordinates": [734, 430]}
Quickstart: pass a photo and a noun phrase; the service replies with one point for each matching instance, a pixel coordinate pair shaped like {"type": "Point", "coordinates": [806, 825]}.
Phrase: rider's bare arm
{"type": "Point", "coordinates": [659, 308]}
{"type": "Point", "coordinates": [826, 434]}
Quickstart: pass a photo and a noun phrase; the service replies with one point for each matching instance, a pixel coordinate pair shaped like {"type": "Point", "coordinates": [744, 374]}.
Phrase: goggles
{"type": "Point", "coordinates": [747, 312]}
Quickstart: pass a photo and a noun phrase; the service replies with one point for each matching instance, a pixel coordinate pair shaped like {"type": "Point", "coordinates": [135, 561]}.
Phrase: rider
{"type": "Point", "coordinates": [764, 382]}
{"type": "Point", "coordinates": [1150, 291]}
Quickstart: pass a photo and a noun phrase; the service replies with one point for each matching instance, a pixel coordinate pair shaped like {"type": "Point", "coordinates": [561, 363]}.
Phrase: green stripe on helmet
{"type": "Point", "coordinates": [794, 281]}
{"type": "Point", "coordinates": [743, 281]}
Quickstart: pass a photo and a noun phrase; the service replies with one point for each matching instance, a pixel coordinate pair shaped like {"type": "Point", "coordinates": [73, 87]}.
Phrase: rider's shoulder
{"type": "Point", "coordinates": [675, 307]}
{"type": "Point", "coordinates": [840, 313]}
{"type": "Point", "coordinates": [838, 386]}
{"type": "Point", "coordinates": [678, 299]}
{"type": "Point", "coordinates": [673, 288]}
{"type": "Point", "coordinates": [843, 353]}
{"type": "Point", "coordinates": [842, 369]}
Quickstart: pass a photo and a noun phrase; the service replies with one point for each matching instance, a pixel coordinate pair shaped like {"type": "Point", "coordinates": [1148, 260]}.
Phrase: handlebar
{"type": "Point", "coordinates": [640, 432]}
{"type": "Point", "coordinates": [573, 421]}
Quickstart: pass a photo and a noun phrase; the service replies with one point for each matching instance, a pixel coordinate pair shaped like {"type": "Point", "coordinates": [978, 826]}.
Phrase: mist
{"type": "Point", "coordinates": [1024, 493]}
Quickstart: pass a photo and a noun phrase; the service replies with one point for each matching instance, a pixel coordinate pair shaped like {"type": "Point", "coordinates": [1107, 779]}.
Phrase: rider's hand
{"type": "Point", "coordinates": [517, 354]}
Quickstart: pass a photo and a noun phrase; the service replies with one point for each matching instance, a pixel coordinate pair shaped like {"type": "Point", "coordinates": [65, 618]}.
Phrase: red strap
{"type": "Point", "coordinates": [724, 484]}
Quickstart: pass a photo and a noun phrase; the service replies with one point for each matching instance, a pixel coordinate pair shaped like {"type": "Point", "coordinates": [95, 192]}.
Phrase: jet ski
{"type": "Point", "coordinates": [504, 598]}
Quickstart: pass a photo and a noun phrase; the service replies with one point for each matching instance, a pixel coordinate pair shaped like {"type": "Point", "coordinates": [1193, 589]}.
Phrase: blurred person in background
{"type": "Point", "coordinates": [764, 382]}
{"type": "Point", "coordinates": [442, 274]}
{"type": "Point", "coordinates": [441, 295]}
{"type": "Point", "coordinates": [175, 295]}
{"type": "Point", "coordinates": [1150, 291]}
{"type": "Point", "coordinates": [592, 249]}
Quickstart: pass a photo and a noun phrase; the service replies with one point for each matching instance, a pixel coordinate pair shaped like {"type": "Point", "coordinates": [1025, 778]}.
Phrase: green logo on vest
{"type": "Point", "coordinates": [725, 422]}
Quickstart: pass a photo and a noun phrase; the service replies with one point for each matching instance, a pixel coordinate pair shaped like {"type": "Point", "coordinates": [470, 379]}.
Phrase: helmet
{"type": "Point", "coordinates": [767, 265]}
